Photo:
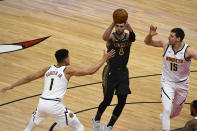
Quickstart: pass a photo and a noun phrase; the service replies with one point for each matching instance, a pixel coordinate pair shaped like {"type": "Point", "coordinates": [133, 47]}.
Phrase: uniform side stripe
{"type": "Point", "coordinates": [165, 93]}
{"type": "Point", "coordinates": [66, 116]}
{"type": "Point", "coordinates": [183, 102]}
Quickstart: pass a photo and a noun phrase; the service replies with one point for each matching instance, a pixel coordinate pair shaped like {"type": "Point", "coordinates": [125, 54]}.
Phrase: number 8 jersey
{"type": "Point", "coordinates": [55, 83]}
{"type": "Point", "coordinates": [175, 67]}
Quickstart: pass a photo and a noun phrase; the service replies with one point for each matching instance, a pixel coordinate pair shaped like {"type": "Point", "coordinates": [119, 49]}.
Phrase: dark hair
{"type": "Point", "coordinates": [61, 54]}
{"type": "Point", "coordinates": [195, 104]}
{"type": "Point", "coordinates": [179, 33]}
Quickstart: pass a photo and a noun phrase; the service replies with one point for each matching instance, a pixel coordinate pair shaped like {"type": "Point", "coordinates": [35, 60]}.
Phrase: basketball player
{"type": "Point", "coordinates": [192, 124]}
{"type": "Point", "coordinates": [115, 74]}
{"type": "Point", "coordinates": [56, 81]}
{"type": "Point", "coordinates": [175, 72]}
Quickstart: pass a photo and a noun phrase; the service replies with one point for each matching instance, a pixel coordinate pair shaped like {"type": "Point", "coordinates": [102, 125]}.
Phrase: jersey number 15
{"type": "Point", "coordinates": [173, 67]}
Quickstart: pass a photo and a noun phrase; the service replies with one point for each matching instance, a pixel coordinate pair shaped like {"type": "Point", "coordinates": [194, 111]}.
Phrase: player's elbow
{"type": "Point", "coordinates": [105, 38]}
{"type": "Point", "coordinates": [146, 42]}
{"type": "Point", "coordinates": [91, 71]}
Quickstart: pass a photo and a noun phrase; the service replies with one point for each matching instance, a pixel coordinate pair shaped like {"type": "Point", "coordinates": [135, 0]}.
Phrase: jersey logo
{"type": "Point", "coordinates": [174, 60]}
{"type": "Point", "coordinates": [6, 48]}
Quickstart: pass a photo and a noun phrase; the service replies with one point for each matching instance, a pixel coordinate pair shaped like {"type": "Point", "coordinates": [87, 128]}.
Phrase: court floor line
{"type": "Point", "coordinates": [135, 77]}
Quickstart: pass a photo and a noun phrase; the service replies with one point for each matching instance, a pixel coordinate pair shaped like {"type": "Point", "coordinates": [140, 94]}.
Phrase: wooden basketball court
{"type": "Point", "coordinates": [78, 25]}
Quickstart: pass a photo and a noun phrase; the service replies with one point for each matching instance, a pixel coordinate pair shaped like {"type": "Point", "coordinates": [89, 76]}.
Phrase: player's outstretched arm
{"type": "Point", "coordinates": [26, 79]}
{"type": "Point", "coordinates": [149, 41]}
{"type": "Point", "coordinates": [71, 71]}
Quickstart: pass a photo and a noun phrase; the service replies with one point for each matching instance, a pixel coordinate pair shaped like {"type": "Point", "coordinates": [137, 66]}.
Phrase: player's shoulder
{"type": "Point", "coordinates": [165, 44]}
{"type": "Point", "coordinates": [45, 69]}
{"type": "Point", "coordinates": [68, 67]}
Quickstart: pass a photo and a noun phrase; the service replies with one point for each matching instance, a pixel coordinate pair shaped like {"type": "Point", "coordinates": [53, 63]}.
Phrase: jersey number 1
{"type": "Point", "coordinates": [173, 67]}
{"type": "Point", "coordinates": [52, 79]}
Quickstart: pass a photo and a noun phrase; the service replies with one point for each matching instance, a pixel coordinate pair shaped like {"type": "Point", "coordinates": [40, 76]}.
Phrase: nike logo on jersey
{"type": "Point", "coordinates": [174, 60]}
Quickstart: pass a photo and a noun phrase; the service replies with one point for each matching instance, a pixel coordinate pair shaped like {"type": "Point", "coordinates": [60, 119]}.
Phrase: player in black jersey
{"type": "Point", "coordinates": [115, 74]}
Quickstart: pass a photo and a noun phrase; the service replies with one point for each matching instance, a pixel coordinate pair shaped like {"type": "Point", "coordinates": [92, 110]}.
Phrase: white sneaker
{"type": "Point", "coordinates": [96, 124]}
{"type": "Point", "coordinates": [107, 128]}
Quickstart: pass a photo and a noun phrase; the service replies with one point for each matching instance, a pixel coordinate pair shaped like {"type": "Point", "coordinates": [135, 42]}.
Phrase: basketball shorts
{"type": "Point", "coordinates": [55, 109]}
{"type": "Point", "coordinates": [115, 80]}
{"type": "Point", "coordinates": [176, 92]}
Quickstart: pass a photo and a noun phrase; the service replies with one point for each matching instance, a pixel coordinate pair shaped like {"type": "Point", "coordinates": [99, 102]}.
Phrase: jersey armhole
{"type": "Point", "coordinates": [166, 50]}
{"type": "Point", "coordinates": [115, 36]}
{"type": "Point", "coordinates": [185, 53]}
{"type": "Point", "coordinates": [64, 69]}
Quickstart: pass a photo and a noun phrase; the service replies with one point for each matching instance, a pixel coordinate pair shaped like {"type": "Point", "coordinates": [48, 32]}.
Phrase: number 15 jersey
{"type": "Point", "coordinates": [55, 83]}
{"type": "Point", "coordinates": [175, 67]}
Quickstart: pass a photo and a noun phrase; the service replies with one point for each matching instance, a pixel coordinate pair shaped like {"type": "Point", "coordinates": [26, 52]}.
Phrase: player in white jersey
{"type": "Point", "coordinates": [175, 72]}
{"type": "Point", "coordinates": [56, 81]}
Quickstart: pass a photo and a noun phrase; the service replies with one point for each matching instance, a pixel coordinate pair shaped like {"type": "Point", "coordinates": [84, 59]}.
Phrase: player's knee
{"type": "Point", "coordinates": [80, 128]}
{"type": "Point", "coordinates": [166, 111]}
{"type": "Point", "coordinates": [121, 105]}
{"type": "Point", "coordinates": [107, 101]}
{"type": "Point", "coordinates": [177, 113]}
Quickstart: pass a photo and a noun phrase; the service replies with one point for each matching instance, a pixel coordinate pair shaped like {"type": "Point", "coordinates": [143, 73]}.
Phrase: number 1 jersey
{"type": "Point", "coordinates": [55, 83]}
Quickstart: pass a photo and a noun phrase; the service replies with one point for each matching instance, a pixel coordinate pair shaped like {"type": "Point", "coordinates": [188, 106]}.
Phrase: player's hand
{"type": "Point", "coordinates": [109, 55]}
{"type": "Point", "coordinates": [153, 30]}
{"type": "Point", "coordinates": [128, 27]}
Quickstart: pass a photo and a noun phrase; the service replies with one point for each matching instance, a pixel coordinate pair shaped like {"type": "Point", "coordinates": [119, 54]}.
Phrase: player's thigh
{"type": "Point", "coordinates": [123, 87]}
{"type": "Point", "coordinates": [167, 91]}
{"type": "Point", "coordinates": [180, 96]}
{"type": "Point", "coordinates": [66, 117]}
{"type": "Point", "coordinates": [38, 117]}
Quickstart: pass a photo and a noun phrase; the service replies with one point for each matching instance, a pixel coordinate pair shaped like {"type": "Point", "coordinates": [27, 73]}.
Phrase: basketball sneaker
{"type": "Point", "coordinates": [107, 128]}
{"type": "Point", "coordinates": [96, 124]}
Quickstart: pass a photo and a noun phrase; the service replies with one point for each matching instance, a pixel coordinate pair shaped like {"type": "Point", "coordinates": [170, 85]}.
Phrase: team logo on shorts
{"type": "Point", "coordinates": [6, 48]}
{"type": "Point", "coordinates": [71, 115]}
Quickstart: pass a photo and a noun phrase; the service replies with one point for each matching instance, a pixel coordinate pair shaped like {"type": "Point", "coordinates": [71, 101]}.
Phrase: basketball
{"type": "Point", "coordinates": [120, 16]}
